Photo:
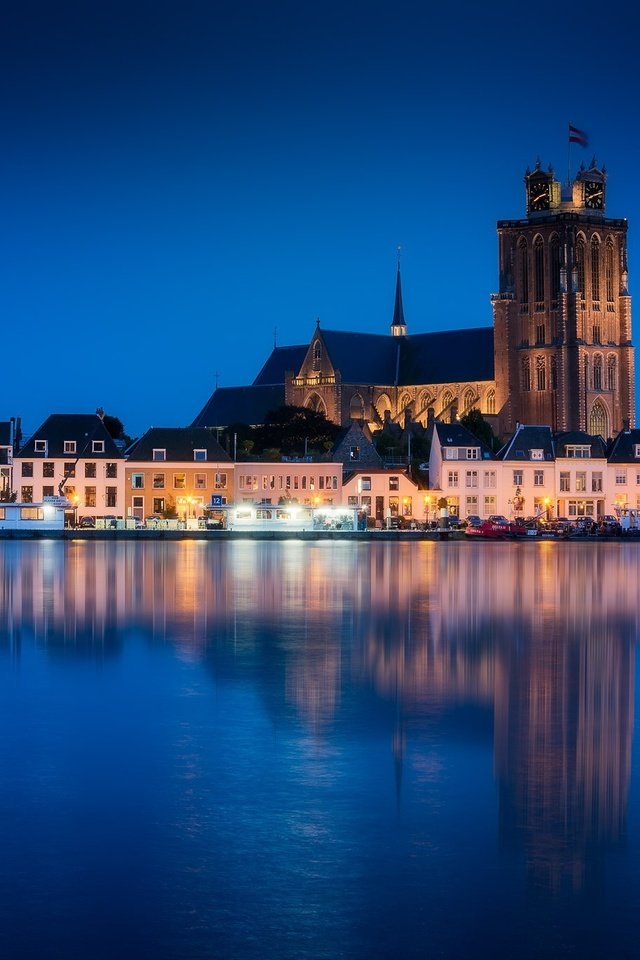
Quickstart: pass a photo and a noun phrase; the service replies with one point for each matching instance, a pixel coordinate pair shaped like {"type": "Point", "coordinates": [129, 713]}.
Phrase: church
{"type": "Point", "coordinates": [559, 351]}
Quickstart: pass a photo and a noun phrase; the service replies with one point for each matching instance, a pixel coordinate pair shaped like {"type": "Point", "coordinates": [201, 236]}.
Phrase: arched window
{"type": "Point", "coordinates": [595, 272]}
{"type": "Point", "coordinates": [526, 374]}
{"type": "Point", "coordinates": [405, 401]}
{"type": "Point", "coordinates": [597, 372]}
{"type": "Point", "coordinates": [425, 401]}
{"type": "Point", "coordinates": [523, 257]}
{"type": "Point", "coordinates": [608, 272]}
{"type": "Point", "coordinates": [554, 270]}
{"type": "Point", "coordinates": [491, 401]}
{"type": "Point", "coordinates": [447, 400]}
{"type": "Point", "coordinates": [356, 407]}
{"type": "Point", "coordinates": [611, 373]}
{"type": "Point", "coordinates": [317, 355]}
{"type": "Point", "coordinates": [383, 405]}
{"type": "Point", "coordinates": [598, 420]}
{"type": "Point", "coordinates": [541, 374]}
{"type": "Point", "coordinates": [580, 268]}
{"type": "Point", "coordinates": [468, 399]}
{"type": "Point", "coordinates": [315, 402]}
{"type": "Point", "coordinates": [538, 259]}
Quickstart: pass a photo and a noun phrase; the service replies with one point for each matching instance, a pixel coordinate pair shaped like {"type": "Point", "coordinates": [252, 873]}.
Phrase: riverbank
{"type": "Point", "coordinates": [305, 535]}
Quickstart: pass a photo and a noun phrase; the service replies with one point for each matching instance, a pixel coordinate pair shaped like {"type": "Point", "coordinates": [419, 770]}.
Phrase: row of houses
{"type": "Point", "coordinates": [184, 471]}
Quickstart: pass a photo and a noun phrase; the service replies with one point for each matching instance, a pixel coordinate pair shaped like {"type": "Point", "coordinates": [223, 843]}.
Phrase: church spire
{"type": "Point", "coordinates": [398, 326]}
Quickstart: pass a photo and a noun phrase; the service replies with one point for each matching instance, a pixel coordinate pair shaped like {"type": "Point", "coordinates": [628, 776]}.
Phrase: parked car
{"type": "Point", "coordinates": [473, 520]}
{"type": "Point", "coordinates": [87, 523]}
{"type": "Point", "coordinates": [609, 526]}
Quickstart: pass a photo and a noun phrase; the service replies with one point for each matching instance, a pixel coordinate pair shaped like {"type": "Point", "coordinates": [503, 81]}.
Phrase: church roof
{"type": "Point", "coordinates": [240, 405]}
{"type": "Point", "coordinates": [446, 357]}
{"type": "Point", "coordinates": [281, 360]}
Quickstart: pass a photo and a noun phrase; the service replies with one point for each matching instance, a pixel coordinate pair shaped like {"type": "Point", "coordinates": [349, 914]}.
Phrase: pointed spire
{"type": "Point", "coordinates": [398, 325]}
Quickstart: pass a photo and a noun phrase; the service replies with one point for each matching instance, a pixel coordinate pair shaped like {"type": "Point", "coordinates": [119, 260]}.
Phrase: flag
{"type": "Point", "coordinates": [578, 136]}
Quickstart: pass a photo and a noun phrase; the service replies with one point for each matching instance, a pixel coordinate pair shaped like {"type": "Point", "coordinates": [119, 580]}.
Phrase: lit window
{"type": "Point", "coordinates": [179, 481]}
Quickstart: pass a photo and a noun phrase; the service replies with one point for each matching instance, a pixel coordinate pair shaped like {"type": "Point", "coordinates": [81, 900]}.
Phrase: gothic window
{"type": "Point", "coordinates": [523, 256]}
{"type": "Point", "coordinates": [447, 400]}
{"type": "Point", "coordinates": [317, 355]}
{"type": "Point", "coordinates": [356, 407]}
{"type": "Point", "coordinates": [491, 401]}
{"type": "Point", "coordinates": [597, 372]}
{"type": "Point", "coordinates": [595, 272]}
{"type": "Point", "coordinates": [554, 373]}
{"type": "Point", "coordinates": [538, 259]}
{"type": "Point", "coordinates": [598, 421]}
{"type": "Point", "coordinates": [405, 401]}
{"type": "Point", "coordinates": [554, 264]}
{"type": "Point", "coordinates": [526, 374]}
{"type": "Point", "coordinates": [383, 405]}
{"type": "Point", "coordinates": [541, 374]}
{"type": "Point", "coordinates": [580, 268]}
{"type": "Point", "coordinates": [468, 400]}
{"type": "Point", "coordinates": [315, 402]}
{"type": "Point", "coordinates": [540, 334]}
{"type": "Point", "coordinates": [425, 401]}
{"type": "Point", "coordinates": [608, 272]}
{"type": "Point", "coordinates": [611, 373]}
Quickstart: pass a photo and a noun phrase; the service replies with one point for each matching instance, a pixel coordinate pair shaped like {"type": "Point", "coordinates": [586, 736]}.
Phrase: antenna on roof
{"type": "Point", "coordinates": [399, 252]}
{"type": "Point", "coordinates": [217, 378]}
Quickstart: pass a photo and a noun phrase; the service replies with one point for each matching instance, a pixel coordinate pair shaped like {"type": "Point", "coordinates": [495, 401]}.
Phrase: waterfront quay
{"type": "Point", "coordinates": [376, 536]}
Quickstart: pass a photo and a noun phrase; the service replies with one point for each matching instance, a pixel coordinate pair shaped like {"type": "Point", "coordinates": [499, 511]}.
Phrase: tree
{"type": "Point", "coordinates": [476, 424]}
{"type": "Point", "coordinates": [295, 431]}
{"type": "Point", "coordinates": [115, 429]}
{"type": "Point", "coordinates": [7, 495]}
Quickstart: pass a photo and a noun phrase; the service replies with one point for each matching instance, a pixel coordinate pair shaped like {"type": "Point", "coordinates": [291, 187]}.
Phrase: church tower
{"type": "Point", "coordinates": [562, 316]}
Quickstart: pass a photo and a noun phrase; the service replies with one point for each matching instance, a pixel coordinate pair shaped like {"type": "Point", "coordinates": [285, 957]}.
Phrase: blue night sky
{"type": "Point", "coordinates": [179, 179]}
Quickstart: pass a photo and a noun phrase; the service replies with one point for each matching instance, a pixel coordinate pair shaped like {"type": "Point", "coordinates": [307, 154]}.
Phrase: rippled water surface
{"type": "Point", "coordinates": [321, 750]}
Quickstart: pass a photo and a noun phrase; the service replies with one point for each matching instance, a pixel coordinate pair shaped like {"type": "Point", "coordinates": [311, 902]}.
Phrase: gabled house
{"type": "Point", "coordinates": [527, 478]}
{"type": "Point", "coordinates": [463, 471]}
{"type": "Point", "coordinates": [583, 480]}
{"type": "Point", "coordinates": [354, 448]}
{"type": "Point", "coordinates": [72, 455]}
{"type": "Point", "coordinates": [176, 470]}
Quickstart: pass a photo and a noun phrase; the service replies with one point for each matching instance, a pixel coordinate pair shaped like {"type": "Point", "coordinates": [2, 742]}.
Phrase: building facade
{"type": "Point", "coordinates": [562, 316]}
{"type": "Point", "coordinates": [176, 472]}
{"type": "Point", "coordinates": [72, 456]}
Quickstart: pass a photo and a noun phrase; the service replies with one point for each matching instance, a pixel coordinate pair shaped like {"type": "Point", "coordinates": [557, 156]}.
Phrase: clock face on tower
{"type": "Point", "coordinates": [594, 195]}
{"type": "Point", "coordinates": [539, 195]}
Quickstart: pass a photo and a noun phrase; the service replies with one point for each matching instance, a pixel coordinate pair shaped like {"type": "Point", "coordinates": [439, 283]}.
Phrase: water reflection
{"type": "Point", "coordinates": [541, 636]}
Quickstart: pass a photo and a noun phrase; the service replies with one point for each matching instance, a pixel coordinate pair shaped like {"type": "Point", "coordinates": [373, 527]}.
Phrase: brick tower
{"type": "Point", "coordinates": [562, 317]}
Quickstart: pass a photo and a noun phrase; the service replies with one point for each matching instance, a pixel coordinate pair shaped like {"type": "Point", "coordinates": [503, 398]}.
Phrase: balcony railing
{"type": "Point", "coordinates": [313, 381]}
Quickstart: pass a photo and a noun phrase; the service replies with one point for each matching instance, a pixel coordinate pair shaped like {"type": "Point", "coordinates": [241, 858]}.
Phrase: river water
{"type": "Point", "coordinates": [318, 750]}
